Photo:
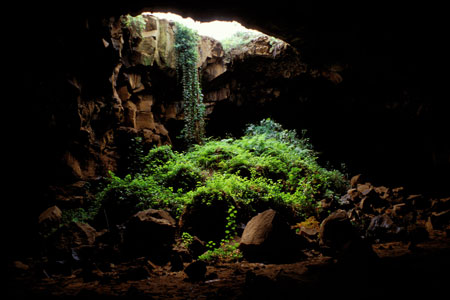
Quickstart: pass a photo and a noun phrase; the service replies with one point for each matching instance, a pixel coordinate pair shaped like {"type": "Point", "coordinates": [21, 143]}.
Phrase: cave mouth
{"type": "Point", "coordinates": [218, 30]}
{"type": "Point", "coordinates": [107, 258]}
{"type": "Point", "coordinates": [231, 34]}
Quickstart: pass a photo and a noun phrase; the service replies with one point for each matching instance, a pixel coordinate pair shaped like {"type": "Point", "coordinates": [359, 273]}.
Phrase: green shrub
{"type": "Point", "coordinates": [224, 252]}
{"type": "Point", "coordinates": [186, 239]}
{"type": "Point", "coordinates": [239, 40]}
{"type": "Point", "coordinates": [134, 157]}
{"type": "Point", "coordinates": [134, 24]}
{"type": "Point", "coordinates": [268, 167]}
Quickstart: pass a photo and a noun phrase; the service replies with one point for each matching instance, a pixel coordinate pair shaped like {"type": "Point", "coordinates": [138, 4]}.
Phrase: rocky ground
{"type": "Point", "coordinates": [374, 242]}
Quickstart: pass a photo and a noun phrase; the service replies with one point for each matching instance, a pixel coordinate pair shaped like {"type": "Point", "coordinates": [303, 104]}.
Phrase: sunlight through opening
{"type": "Point", "coordinates": [219, 30]}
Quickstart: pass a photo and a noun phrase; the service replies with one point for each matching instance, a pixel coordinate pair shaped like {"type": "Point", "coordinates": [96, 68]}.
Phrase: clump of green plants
{"type": "Point", "coordinates": [225, 251]}
{"type": "Point", "coordinates": [268, 167]}
{"type": "Point", "coordinates": [228, 248]}
{"type": "Point", "coordinates": [134, 24]}
{"type": "Point", "coordinates": [240, 39]}
{"type": "Point", "coordinates": [186, 239]}
{"type": "Point", "coordinates": [186, 49]}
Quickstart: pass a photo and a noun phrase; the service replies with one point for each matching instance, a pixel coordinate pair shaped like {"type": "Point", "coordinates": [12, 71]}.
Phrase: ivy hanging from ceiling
{"type": "Point", "coordinates": [186, 47]}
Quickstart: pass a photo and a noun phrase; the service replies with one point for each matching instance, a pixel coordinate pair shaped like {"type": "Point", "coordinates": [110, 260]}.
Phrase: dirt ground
{"type": "Point", "coordinates": [402, 270]}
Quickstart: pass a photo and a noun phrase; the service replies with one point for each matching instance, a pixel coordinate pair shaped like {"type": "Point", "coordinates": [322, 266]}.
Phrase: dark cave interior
{"type": "Point", "coordinates": [387, 119]}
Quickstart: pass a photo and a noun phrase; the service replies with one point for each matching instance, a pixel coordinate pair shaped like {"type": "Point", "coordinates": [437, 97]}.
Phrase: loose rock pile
{"type": "Point", "coordinates": [386, 214]}
{"type": "Point", "coordinates": [366, 214]}
{"type": "Point", "coordinates": [149, 243]}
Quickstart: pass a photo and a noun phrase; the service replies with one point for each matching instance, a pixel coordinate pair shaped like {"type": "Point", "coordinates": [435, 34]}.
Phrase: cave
{"type": "Point", "coordinates": [362, 84]}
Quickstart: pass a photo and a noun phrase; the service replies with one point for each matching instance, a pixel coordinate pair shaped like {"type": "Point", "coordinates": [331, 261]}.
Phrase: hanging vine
{"type": "Point", "coordinates": [186, 47]}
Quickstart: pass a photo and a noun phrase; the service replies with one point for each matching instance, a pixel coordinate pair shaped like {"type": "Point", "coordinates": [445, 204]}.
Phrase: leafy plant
{"type": "Point", "coordinates": [133, 159]}
{"type": "Point", "coordinates": [225, 252]}
{"type": "Point", "coordinates": [268, 167]}
{"type": "Point", "coordinates": [239, 39]}
{"type": "Point", "coordinates": [186, 239]}
{"type": "Point", "coordinates": [186, 47]}
{"type": "Point", "coordinates": [134, 24]}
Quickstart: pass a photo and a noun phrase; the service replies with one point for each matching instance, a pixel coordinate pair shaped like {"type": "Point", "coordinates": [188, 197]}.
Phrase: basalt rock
{"type": "Point", "coordinates": [382, 227]}
{"type": "Point", "coordinates": [50, 218]}
{"type": "Point", "coordinates": [196, 271]}
{"type": "Point", "coordinates": [439, 220]}
{"type": "Point", "coordinates": [268, 237]}
{"type": "Point", "coordinates": [150, 233]}
{"type": "Point", "coordinates": [71, 236]}
{"type": "Point", "coordinates": [206, 221]}
{"type": "Point", "coordinates": [336, 230]}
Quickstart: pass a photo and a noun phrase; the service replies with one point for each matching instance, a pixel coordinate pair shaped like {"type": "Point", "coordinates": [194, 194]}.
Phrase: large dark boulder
{"type": "Point", "coordinates": [382, 227]}
{"type": "Point", "coordinates": [268, 237]}
{"type": "Point", "coordinates": [340, 239]}
{"type": "Point", "coordinates": [336, 230]}
{"type": "Point", "coordinates": [196, 271]}
{"type": "Point", "coordinates": [150, 233]}
{"type": "Point", "coordinates": [73, 235]}
{"type": "Point", "coordinates": [206, 221]}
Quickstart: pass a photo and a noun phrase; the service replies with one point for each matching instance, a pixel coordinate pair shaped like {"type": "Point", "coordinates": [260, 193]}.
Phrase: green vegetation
{"type": "Point", "coordinates": [226, 251]}
{"type": "Point", "coordinates": [268, 167]}
{"type": "Point", "coordinates": [239, 39]}
{"type": "Point", "coordinates": [186, 47]}
{"type": "Point", "coordinates": [242, 38]}
{"type": "Point", "coordinates": [134, 24]}
{"type": "Point", "coordinates": [187, 239]}
{"type": "Point", "coordinates": [228, 248]}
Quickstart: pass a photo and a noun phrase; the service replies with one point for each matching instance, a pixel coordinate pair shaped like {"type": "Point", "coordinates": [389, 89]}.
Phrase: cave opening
{"type": "Point", "coordinates": [128, 201]}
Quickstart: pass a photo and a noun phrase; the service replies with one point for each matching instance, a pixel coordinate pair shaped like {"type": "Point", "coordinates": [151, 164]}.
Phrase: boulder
{"type": "Point", "coordinates": [336, 230]}
{"type": "Point", "coordinates": [76, 234]}
{"type": "Point", "coordinates": [196, 271]}
{"type": "Point", "coordinates": [150, 233]}
{"type": "Point", "coordinates": [382, 227]}
{"type": "Point", "coordinates": [371, 200]}
{"type": "Point", "coordinates": [197, 247]}
{"type": "Point", "coordinates": [49, 218]}
{"type": "Point", "coordinates": [418, 201]}
{"type": "Point", "coordinates": [364, 189]}
{"type": "Point", "coordinates": [383, 192]}
{"type": "Point", "coordinates": [345, 201]}
{"type": "Point", "coordinates": [268, 237]}
{"type": "Point", "coordinates": [438, 220]}
{"type": "Point", "coordinates": [443, 204]}
{"type": "Point", "coordinates": [72, 236]}
{"type": "Point", "coordinates": [354, 194]}
{"type": "Point", "coordinates": [398, 194]}
{"type": "Point", "coordinates": [176, 262]}
{"type": "Point", "coordinates": [206, 221]}
{"type": "Point", "coordinates": [399, 210]}
{"type": "Point", "coordinates": [357, 179]}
